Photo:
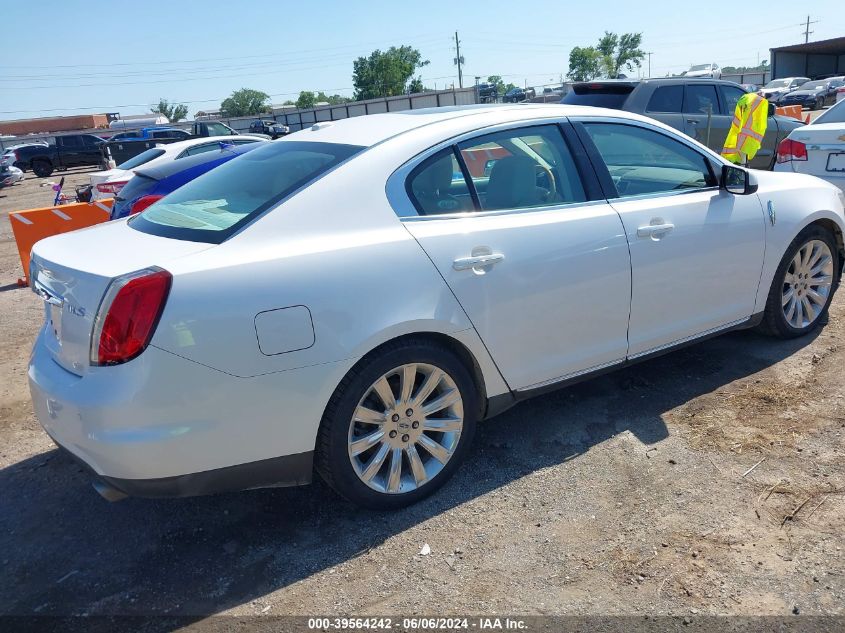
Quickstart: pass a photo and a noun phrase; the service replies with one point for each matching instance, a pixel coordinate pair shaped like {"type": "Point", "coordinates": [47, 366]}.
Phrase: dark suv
{"type": "Point", "coordinates": [273, 129]}
{"type": "Point", "coordinates": [701, 108]}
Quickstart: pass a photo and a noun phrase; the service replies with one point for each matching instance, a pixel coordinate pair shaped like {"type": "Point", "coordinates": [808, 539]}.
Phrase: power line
{"type": "Point", "coordinates": [213, 59]}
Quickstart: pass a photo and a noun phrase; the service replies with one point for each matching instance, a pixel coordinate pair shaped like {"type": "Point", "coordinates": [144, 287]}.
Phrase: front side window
{"type": "Point", "coordinates": [531, 167]}
{"type": "Point", "coordinates": [701, 99]}
{"type": "Point", "coordinates": [213, 206]}
{"type": "Point", "coordinates": [69, 142]}
{"type": "Point", "coordinates": [731, 95]}
{"type": "Point", "coordinates": [643, 161]}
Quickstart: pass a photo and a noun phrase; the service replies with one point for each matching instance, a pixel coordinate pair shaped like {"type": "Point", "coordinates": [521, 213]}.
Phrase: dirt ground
{"type": "Point", "coordinates": [707, 481]}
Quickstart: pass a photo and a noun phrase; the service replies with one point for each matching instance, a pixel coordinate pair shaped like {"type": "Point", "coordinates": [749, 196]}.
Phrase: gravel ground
{"type": "Point", "coordinates": [630, 494]}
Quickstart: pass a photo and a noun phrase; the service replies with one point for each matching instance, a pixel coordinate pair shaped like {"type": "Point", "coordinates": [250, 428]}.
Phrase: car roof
{"type": "Point", "coordinates": [163, 170]}
{"type": "Point", "coordinates": [373, 129]}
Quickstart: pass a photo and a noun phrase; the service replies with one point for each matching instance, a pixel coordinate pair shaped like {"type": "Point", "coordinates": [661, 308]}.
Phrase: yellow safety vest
{"type": "Point", "coordinates": [747, 129]}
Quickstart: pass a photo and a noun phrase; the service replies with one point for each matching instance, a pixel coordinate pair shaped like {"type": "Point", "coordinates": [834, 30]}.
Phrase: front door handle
{"type": "Point", "coordinates": [692, 121]}
{"type": "Point", "coordinates": [477, 261]}
{"type": "Point", "coordinates": [655, 231]}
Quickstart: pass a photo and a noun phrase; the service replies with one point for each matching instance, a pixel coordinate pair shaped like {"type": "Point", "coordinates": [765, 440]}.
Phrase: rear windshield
{"type": "Point", "coordinates": [599, 95]}
{"type": "Point", "coordinates": [142, 158]}
{"type": "Point", "coordinates": [836, 114]}
{"type": "Point", "coordinates": [213, 206]}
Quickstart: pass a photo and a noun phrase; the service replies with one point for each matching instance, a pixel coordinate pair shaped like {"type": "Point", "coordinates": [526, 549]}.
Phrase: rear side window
{"type": "Point", "coordinates": [701, 99]}
{"type": "Point", "coordinates": [522, 168]}
{"type": "Point", "coordinates": [667, 99]}
{"type": "Point", "coordinates": [142, 158]}
{"type": "Point", "coordinates": [438, 186]}
{"type": "Point", "coordinates": [599, 95]}
{"type": "Point", "coordinates": [213, 206]}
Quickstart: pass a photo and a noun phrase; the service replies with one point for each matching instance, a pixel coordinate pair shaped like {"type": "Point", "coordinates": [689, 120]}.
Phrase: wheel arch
{"type": "Point", "coordinates": [450, 342]}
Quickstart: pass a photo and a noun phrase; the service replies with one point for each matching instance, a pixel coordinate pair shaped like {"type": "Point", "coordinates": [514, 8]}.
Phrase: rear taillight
{"type": "Point", "coordinates": [791, 150]}
{"type": "Point", "coordinates": [143, 202]}
{"type": "Point", "coordinates": [111, 187]}
{"type": "Point", "coordinates": [128, 316]}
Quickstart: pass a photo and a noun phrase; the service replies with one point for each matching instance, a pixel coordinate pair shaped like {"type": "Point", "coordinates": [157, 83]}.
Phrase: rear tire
{"type": "Point", "coordinates": [376, 455]}
{"type": "Point", "coordinates": [803, 285]}
{"type": "Point", "coordinates": [42, 168]}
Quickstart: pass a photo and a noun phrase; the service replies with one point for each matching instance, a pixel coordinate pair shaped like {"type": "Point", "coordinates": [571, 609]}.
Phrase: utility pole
{"type": "Point", "coordinates": [459, 60]}
{"type": "Point", "coordinates": [649, 61]}
{"type": "Point", "coordinates": [807, 30]}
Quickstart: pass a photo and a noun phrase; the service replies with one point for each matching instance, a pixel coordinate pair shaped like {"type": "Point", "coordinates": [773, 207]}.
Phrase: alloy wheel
{"type": "Point", "coordinates": [807, 284]}
{"type": "Point", "coordinates": [406, 428]}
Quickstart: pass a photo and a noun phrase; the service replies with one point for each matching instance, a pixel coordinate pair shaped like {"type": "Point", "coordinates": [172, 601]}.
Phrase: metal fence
{"type": "Point", "coordinates": [298, 119]}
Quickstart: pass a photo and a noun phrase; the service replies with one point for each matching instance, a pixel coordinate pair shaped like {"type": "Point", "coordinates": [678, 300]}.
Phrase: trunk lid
{"type": "Point", "coordinates": [72, 271]}
{"type": "Point", "coordinates": [825, 144]}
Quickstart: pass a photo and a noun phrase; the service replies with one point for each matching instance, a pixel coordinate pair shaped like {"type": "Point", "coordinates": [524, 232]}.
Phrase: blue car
{"type": "Point", "coordinates": [150, 185]}
{"type": "Point", "coordinates": [152, 133]}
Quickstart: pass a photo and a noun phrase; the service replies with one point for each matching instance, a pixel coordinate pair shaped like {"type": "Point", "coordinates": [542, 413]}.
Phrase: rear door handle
{"type": "Point", "coordinates": [477, 261]}
{"type": "Point", "coordinates": [655, 231]}
{"type": "Point", "coordinates": [692, 121]}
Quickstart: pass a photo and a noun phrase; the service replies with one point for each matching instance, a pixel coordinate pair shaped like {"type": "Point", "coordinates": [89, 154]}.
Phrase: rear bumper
{"type": "Point", "coordinates": [289, 470]}
{"type": "Point", "coordinates": [161, 425]}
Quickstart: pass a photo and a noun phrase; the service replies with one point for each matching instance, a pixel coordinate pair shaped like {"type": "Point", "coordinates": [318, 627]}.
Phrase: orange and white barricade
{"type": "Point", "coordinates": [35, 224]}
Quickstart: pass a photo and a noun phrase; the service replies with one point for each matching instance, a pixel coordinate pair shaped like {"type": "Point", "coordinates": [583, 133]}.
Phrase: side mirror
{"type": "Point", "coordinates": [738, 181]}
{"type": "Point", "coordinates": [772, 109]}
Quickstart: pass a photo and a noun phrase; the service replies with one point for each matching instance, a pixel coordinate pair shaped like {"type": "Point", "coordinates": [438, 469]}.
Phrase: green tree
{"type": "Point", "coordinates": [173, 111]}
{"type": "Point", "coordinates": [620, 51]}
{"type": "Point", "coordinates": [584, 63]}
{"type": "Point", "coordinates": [307, 99]}
{"type": "Point", "coordinates": [416, 86]}
{"type": "Point", "coordinates": [501, 86]}
{"type": "Point", "coordinates": [385, 74]}
{"type": "Point", "coordinates": [245, 102]}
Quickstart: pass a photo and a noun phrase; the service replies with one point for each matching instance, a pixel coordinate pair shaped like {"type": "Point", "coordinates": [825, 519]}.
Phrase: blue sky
{"type": "Point", "coordinates": [76, 56]}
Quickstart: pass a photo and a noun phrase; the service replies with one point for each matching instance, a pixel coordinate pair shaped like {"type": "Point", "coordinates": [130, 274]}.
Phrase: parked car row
{"type": "Point", "coordinates": [812, 94]}
{"type": "Point", "coordinates": [108, 183]}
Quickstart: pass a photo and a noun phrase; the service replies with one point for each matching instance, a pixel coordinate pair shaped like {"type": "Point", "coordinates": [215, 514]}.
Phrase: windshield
{"type": "Point", "coordinates": [140, 159]}
{"type": "Point", "coordinates": [836, 114]}
{"type": "Point", "coordinates": [778, 83]}
{"type": "Point", "coordinates": [700, 67]}
{"type": "Point", "coordinates": [213, 206]}
{"type": "Point", "coordinates": [814, 85]}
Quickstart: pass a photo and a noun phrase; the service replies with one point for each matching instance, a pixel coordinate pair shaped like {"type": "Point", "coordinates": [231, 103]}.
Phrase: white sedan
{"type": "Point", "coordinates": [353, 298]}
{"type": "Point", "coordinates": [108, 183]}
{"type": "Point", "coordinates": [817, 148]}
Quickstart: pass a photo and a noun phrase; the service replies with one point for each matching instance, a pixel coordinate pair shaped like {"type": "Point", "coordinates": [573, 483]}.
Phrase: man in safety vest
{"type": "Point", "coordinates": [747, 129]}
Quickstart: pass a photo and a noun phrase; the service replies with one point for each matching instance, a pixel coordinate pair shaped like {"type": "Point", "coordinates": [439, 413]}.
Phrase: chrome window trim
{"type": "Point", "coordinates": [401, 203]}
{"type": "Point", "coordinates": [494, 212]}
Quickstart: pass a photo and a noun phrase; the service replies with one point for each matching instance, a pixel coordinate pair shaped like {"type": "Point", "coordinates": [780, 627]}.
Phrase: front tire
{"type": "Point", "coordinates": [804, 284]}
{"type": "Point", "coordinates": [398, 426]}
